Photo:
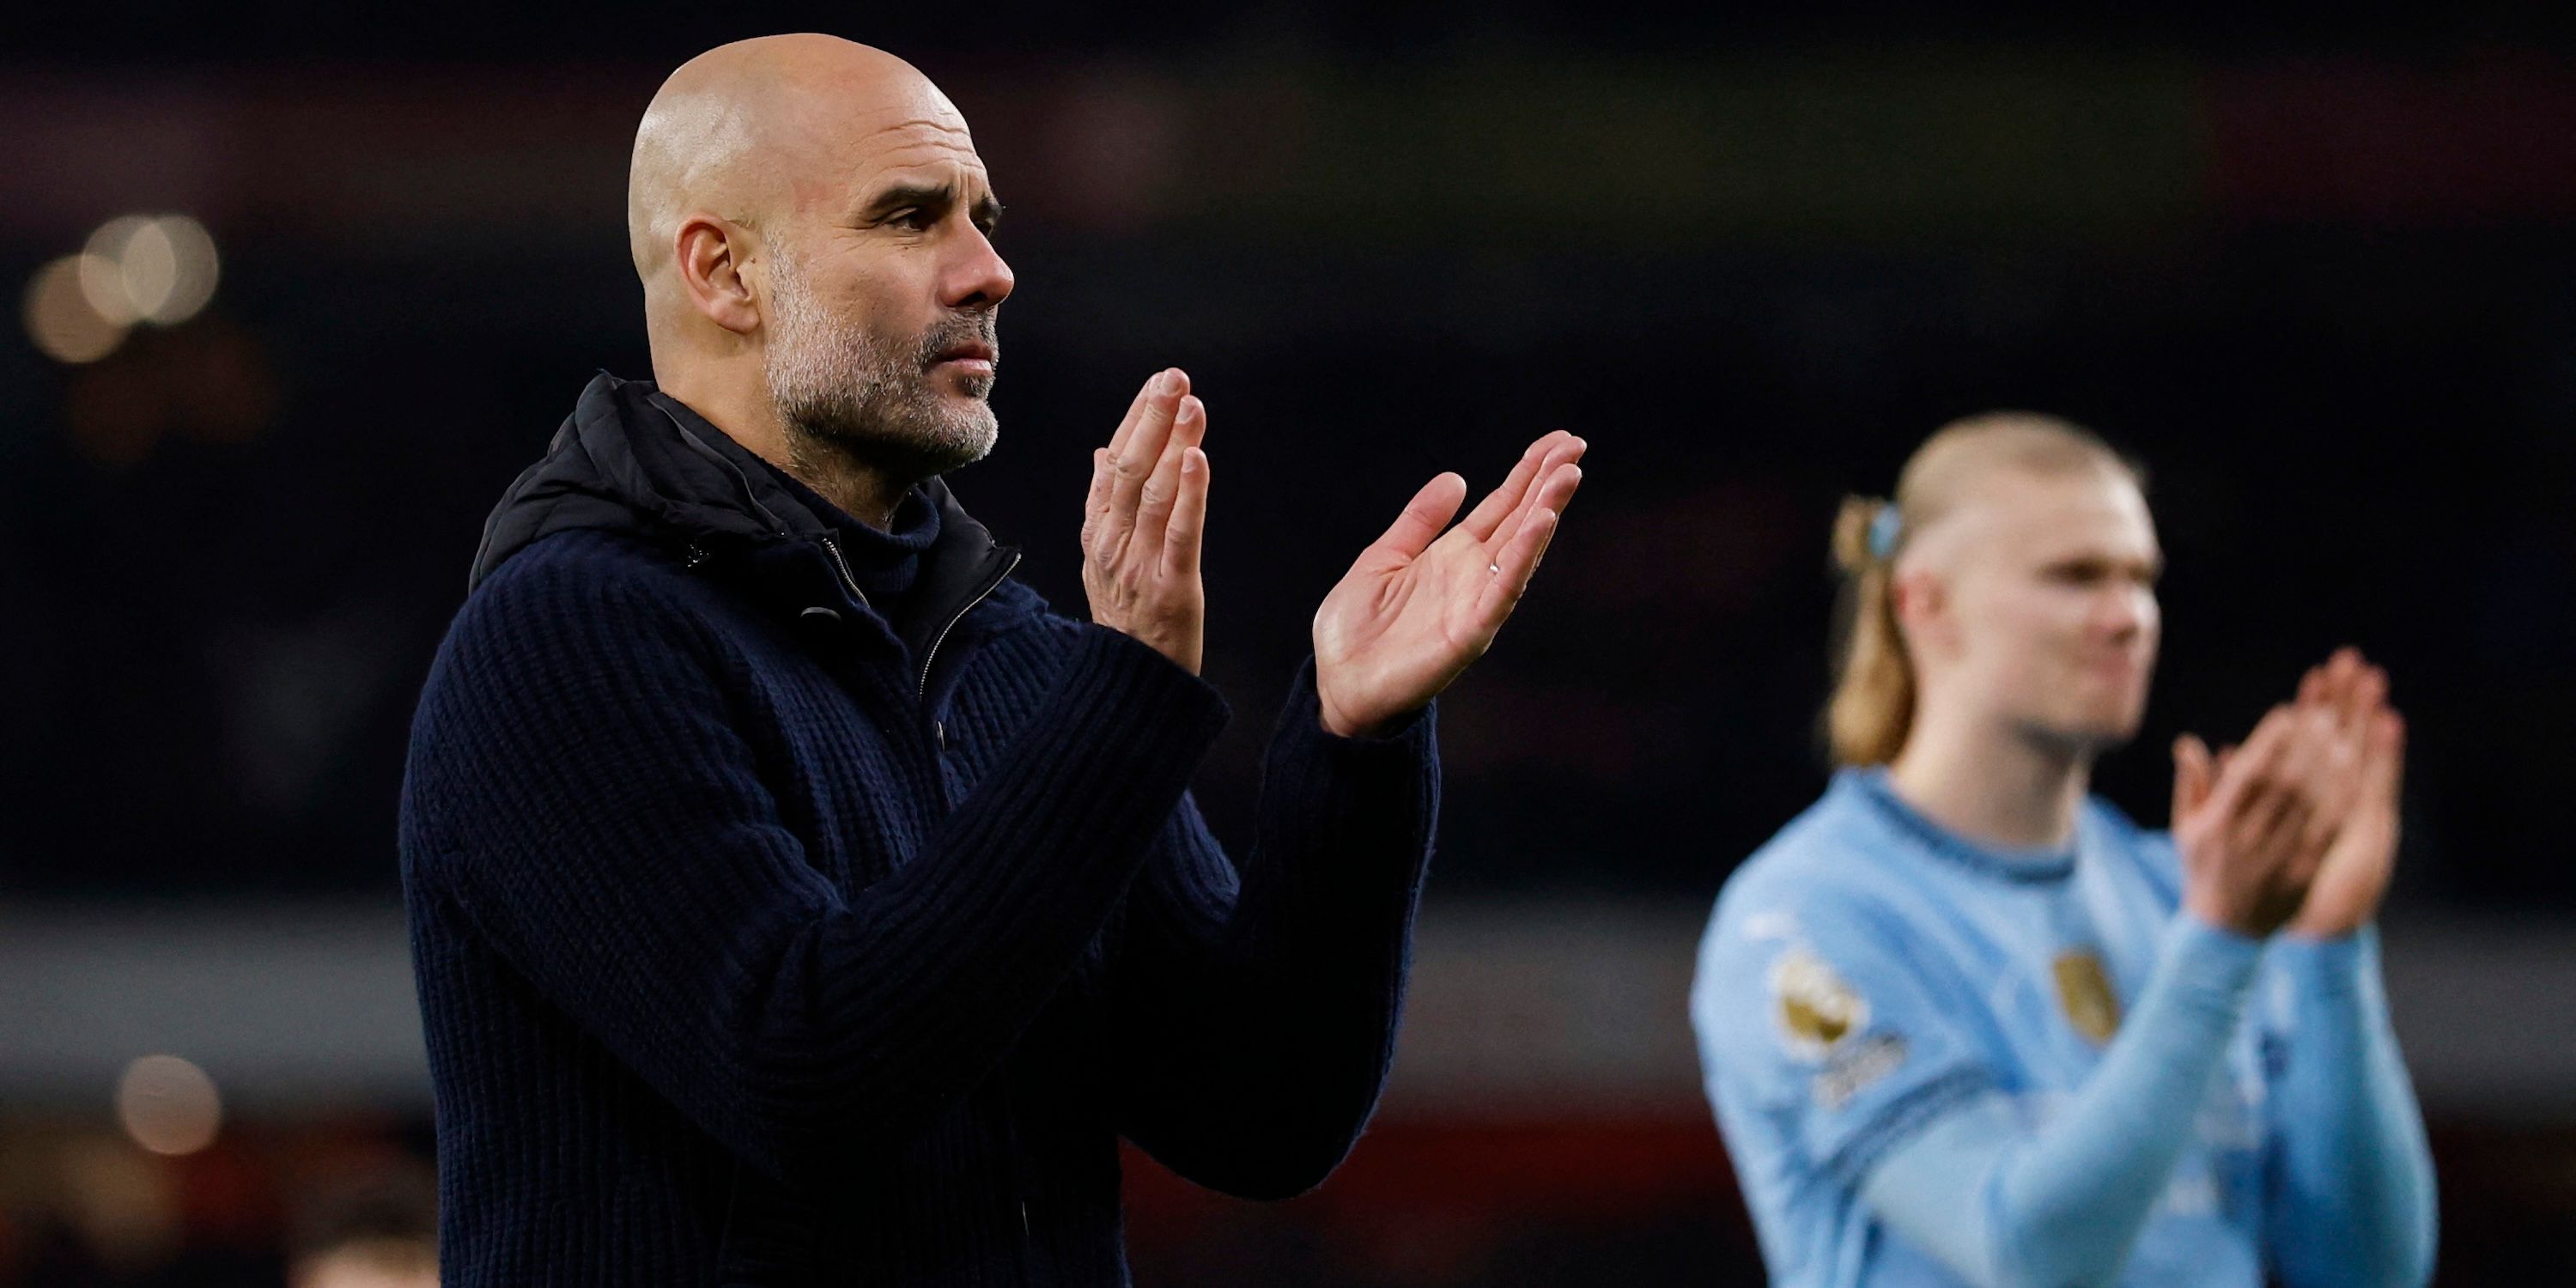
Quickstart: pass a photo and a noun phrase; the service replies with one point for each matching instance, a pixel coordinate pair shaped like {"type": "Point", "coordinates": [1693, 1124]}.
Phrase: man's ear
{"type": "Point", "coordinates": [710, 255]}
{"type": "Point", "coordinates": [1920, 604]}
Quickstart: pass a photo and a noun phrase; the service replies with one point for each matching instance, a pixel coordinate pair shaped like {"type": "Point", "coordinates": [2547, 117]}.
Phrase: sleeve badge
{"type": "Point", "coordinates": [1815, 1008]}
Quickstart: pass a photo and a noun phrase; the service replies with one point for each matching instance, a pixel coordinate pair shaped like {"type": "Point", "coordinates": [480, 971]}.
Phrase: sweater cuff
{"type": "Point", "coordinates": [1129, 689]}
{"type": "Point", "coordinates": [1314, 765]}
{"type": "Point", "coordinates": [1414, 735]}
{"type": "Point", "coordinates": [1329, 792]}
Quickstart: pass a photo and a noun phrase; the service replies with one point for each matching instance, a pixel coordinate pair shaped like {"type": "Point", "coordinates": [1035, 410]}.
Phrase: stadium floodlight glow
{"type": "Point", "coordinates": [61, 318]}
{"type": "Point", "coordinates": [168, 1105]}
{"type": "Point", "coordinates": [159, 269]}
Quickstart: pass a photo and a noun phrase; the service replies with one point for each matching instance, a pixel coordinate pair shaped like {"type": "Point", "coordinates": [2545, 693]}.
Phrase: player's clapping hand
{"type": "Point", "coordinates": [2256, 824]}
{"type": "Point", "coordinates": [2353, 875]}
{"type": "Point", "coordinates": [1422, 603]}
{"type": "Point", "coordinates": [1142, 524]}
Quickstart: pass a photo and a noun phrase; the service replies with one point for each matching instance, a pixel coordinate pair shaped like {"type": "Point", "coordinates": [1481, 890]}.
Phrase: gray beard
{"type": "Point", "coordinates": [848, 398]}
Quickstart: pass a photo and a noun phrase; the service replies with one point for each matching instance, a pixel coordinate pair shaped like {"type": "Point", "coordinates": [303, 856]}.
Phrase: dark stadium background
{"type": "Point", "coordinates": [2319, 271]}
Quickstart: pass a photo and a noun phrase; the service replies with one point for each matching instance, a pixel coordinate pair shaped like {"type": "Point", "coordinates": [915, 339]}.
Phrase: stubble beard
{"type": "Point", "coordinates": [2078, 738]}
{"type": "Point", "coordinates": [848, 397]}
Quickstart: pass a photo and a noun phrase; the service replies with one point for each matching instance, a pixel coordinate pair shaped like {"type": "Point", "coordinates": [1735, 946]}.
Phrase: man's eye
{"type": "Point", "coordinates": [906, 219]}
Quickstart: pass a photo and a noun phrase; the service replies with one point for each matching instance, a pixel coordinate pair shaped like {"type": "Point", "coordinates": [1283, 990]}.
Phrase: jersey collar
{"type": "Point", "coordinates": [2026, 866]}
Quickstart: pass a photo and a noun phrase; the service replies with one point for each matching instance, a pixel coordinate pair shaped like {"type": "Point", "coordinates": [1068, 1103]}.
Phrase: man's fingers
{"type": "Point", "coordinates": [1097, 503]}
{"type": "Point", "coordinates": [2239, 768]}
{"type": "Point", "coordinates": [1507, 578]}
{"type": "Point", "coordinates": [1187, 530]}
{"type": "Point", "coordinates": [2191, 775]}
{"type": "Point", "coordinates": [2384, 768]}
{"type": "Point", "coordinates": [1517, 562]}
{"type": "Point", "coordinates": [1558, 458]}
{"type": "Point", "coordinates": [1100, 535]}
{"type": "Point", "coordinates": [1136, 406]}
{"type": "Point", "coordinates": [2308, 792]}
{"type": "Point", "coordinates": [2364, 699]}
{"type": "Point", "coordinates": [1512, 499]}
{"type": "Point", "coordinates": [1133, 461]}
{"type": "Point", "coordinates": [2278, 831]}
{"type": "Point", "coordinates": [2259, 748]}
{"type": "Point", "coordinates": [1424, 518]}
{"type": "Point", "coordinates": [1497, 505]}
{"type": "Point", "coordinates": [2308, 749]}
{"type": "Point", "coordinates": [2267, 820]}
{"type": "Point", "coordinates": [2343, 760]}
{"type": "Point", "coordinates": [1554, 492]}
{"type": "Point", "coordinates": [1162, 487]}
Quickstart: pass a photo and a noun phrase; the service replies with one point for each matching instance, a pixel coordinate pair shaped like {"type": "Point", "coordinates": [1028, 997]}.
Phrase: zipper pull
{"type": "Point", "coordinates": [833, 545]}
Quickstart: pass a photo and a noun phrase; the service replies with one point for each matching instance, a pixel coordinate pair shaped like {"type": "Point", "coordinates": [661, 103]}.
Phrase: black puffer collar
{"type": "Point", "coordinates": [623, 463]}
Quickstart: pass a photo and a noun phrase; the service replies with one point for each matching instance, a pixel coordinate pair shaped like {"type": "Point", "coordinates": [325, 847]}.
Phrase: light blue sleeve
{"type": "Point", "coordinates": [1813, 1011]}
{"type": "Point", "coordinates": [2349, 1179]}
{"type": "Point", "coordinates": [2002, 1204]}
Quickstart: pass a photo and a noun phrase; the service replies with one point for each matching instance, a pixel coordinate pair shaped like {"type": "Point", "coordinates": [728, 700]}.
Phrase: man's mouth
{"type": "Point", "coordinates": [974, 355]}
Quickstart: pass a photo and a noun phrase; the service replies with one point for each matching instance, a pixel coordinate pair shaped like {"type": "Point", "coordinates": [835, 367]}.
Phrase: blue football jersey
{"type": "Point", "coordinates": [1868, 971]}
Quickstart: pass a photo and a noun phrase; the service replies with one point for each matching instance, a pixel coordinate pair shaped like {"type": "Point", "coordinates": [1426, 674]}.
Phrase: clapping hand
{"type": "Point", "coordinates": [1426, 599]}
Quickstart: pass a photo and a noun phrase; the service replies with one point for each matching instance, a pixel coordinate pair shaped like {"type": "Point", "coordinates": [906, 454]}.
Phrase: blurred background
{"type": "Point", "coordinates": [301, 288]}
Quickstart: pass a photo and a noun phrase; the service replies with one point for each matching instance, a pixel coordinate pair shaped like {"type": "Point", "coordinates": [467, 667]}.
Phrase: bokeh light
{"type": "Point", "coordinates": [103, 269]}
{"type": "Point", "coordinates": [194, 269]}
{"type": "Point", "coordinates": [160, 269]}
{"type": "Point", "coordinates": [61, 319]}
{"type": "Point", "coordinates": [168, 1105]}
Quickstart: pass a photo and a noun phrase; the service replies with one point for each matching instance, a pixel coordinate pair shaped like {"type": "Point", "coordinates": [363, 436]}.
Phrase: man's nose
{"type": "Point", "coordinates": [978, 278]}
{"type": "Point", "coordinates": [2122, 615]}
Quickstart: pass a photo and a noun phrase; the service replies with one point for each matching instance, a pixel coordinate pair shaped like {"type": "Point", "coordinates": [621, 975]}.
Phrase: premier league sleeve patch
{"type": "Point", "coordinates": [1824, 1020]}
{"type": "Point", "coordinates": [1815, 1008]}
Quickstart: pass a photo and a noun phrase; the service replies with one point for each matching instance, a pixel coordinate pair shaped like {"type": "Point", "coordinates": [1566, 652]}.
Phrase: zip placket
{"type": "Point", "coordinates": [939, 728]}
{"type": "Point", "coordinates": [931, 654]}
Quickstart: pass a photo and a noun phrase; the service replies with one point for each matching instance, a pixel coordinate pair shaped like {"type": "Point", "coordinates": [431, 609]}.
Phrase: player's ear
{"type": "Point", "coordinates": [711, 254]}
{"type": "Point", "coordinates": [1919, 602]}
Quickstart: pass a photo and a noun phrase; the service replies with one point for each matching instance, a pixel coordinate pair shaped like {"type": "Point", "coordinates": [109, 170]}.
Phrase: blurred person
{"type": "Point", "coordinates": [795, 897]}
{"type": "Point", "coordinates": [1962, 1022]}
{"type": "Point", "coordinates": [378, 1232]}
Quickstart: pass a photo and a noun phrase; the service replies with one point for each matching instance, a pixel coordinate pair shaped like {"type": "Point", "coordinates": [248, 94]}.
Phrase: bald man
{"type": "Point", "coordinates": [795, 898]}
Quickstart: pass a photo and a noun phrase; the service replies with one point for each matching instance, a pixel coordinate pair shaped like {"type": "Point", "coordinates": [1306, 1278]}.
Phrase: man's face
{"type": "Point", "coordinates": [2054, 621]}
{"type": "Point", "coordinates": [884, 288]}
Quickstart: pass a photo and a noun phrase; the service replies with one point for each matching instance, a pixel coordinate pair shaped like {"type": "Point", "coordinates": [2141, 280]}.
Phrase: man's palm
{"type": "Point", "coordinates": [1420, 604]}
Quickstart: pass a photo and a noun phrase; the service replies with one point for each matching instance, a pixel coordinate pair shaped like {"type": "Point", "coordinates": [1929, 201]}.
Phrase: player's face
{"type": "Point", "coordinates": [2057, 618]}
{"type": "Point", "coordinates": [886, 293]}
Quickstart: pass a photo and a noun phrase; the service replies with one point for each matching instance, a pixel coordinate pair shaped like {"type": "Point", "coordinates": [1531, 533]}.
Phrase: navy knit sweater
{"type": "Point", "coordinates": [764, 940]}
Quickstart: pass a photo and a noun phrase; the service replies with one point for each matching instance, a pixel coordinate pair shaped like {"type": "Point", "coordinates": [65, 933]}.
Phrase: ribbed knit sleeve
{"type": "Point", "coordinates": [1258, 1010]}
{"type": "Point", "coordinates": [599, 817]}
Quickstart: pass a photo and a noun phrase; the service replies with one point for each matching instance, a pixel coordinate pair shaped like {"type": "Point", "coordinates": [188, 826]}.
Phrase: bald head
{"type": "Point", "coordinates": [813, 230]}
{"type": "Point", "coordinates": [748, 130]}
